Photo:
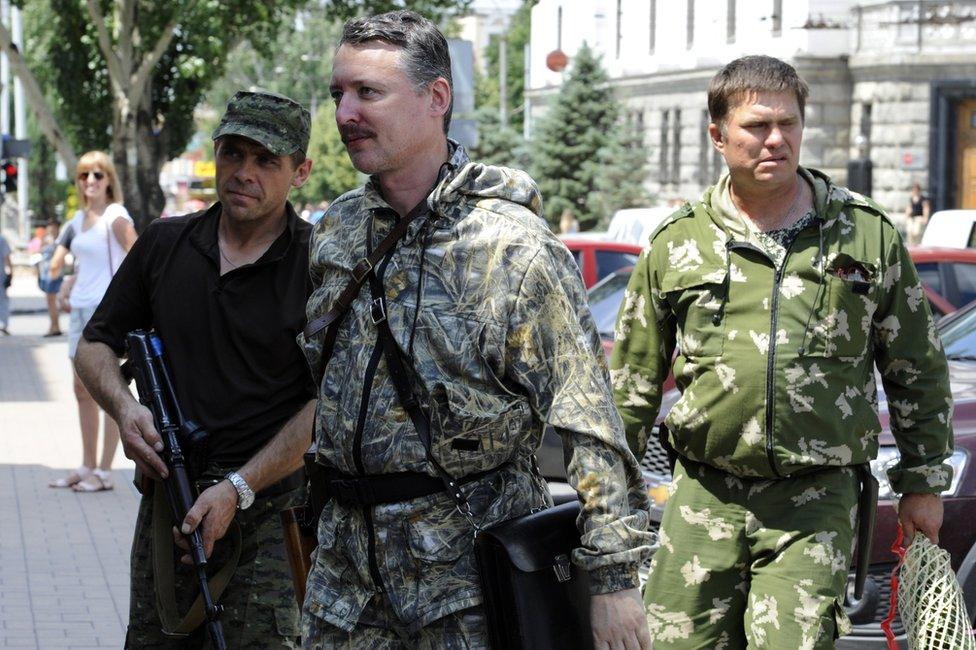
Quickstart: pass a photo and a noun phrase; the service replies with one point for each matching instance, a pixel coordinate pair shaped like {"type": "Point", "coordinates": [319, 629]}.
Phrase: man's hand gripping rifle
{"type": "Point", "coordinates": [145, 364]}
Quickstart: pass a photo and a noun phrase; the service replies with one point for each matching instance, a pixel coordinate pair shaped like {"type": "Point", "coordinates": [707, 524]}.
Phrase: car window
{"type": "Point", "coordinates": [965, 282]}
{"type": "Point", "coordinates": [604, 299]}
{"type": "Point", "coordinates": [609, 261]}
{"type": "Point", "coordinates": [578, 256]}
{"type": "Point", "coordinates": [959, 335]}
{"type": "Point", "coordinates": [928, 273]}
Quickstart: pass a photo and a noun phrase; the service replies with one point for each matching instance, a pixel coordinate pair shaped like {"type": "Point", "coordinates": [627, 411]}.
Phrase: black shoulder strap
{"type": "Point", "coordinates": [332, 318]}
{"type": "Point", "coordinates": [401, 382]}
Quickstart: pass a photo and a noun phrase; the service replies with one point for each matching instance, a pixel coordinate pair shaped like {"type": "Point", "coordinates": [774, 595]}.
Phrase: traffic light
{"type": "Point", "coordinates": [9, 176]}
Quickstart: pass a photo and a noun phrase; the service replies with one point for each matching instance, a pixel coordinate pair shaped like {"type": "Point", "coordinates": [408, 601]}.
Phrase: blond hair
{"type": "Point", "coordinates": [98, 160]}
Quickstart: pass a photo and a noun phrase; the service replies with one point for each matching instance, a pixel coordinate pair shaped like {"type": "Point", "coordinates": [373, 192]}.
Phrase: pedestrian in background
{"type": "Point", "coordinates": [6, 277]}
{"type": "Point", "coordinates": [99, 236]}
{"type": "Point", "coordinates": [916, 214]}
{"type": "Point", "coordinates": [48, 284]}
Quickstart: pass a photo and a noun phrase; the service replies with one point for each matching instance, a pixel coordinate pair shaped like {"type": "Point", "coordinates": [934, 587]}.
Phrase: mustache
{"type": "Point", "coordinates": [240, 189]}
{"type": "Point", "coordinates": [349, 132]}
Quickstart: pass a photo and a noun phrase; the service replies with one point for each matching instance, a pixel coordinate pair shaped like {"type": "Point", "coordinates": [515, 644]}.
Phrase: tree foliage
{"type": "Point", "coordinates": [571, 135]}
{"type": "Point", "coordinates": [619, 170]}
{"type": "Point", "coordinates": [488, 89]}
{"type": "Point", "coordinates": [127, 75]}
{"type": "Point", "coordinates": [497, 144]}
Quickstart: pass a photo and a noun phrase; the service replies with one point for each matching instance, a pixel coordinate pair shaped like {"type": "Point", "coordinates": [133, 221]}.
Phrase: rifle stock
{"type": "Point", "coordinates": [300, 525]}
{"type": "Point", "coordinates": [146, 366]}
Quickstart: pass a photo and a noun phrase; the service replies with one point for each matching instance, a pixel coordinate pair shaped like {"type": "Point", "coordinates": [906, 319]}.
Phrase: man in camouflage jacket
{"type": "Point", "coordinates": [487, 308]}
{"type": "Point", "coordinates": [781, 292]}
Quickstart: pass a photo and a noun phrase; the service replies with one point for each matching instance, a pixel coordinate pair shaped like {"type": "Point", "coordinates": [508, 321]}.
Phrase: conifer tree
{"type": "Point", "coordinates": [497, 144]}
{"type": "Point", "coordinates": [619, 171]}
{"type": "Point", "coordinates": [569, 138]}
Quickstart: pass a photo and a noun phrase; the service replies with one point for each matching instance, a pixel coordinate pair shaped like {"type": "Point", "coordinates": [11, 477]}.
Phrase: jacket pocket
{"type": "Point", "coordinates": [473, 430]}
{"type": "Point", "coordinates": [698, 301]}
{"type": "Point", "coordinates": [843, 324]}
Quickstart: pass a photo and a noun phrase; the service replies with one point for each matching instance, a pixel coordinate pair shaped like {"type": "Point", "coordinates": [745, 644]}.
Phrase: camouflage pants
{"type": "Point", "coordinates": [378, 629]}
{"type": "Point", "coordinates": [260, 610]}
{"type": "Point", "coordinates": [752, 563]}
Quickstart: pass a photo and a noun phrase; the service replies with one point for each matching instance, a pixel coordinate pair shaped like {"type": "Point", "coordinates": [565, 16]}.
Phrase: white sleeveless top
{"type": "Point", "coordinates": [97, 254]}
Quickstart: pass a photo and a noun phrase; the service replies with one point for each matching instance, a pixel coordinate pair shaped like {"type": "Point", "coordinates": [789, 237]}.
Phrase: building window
{"type": "Point", "coordinates": [704, 147]}
{"type": "Point", "coordinates": [664, 174]}
{"type": "Point", "coordinates": [864, 132]}
{"type": "Point", "coordinates": [730, 22]}
{"type": "Point", "coordinates": [620, 13]}
{"type": "Point", "coordinates": [676, 147]}
{"type": "Point", "coordinates": [652, 27]}
{"type": "Point", "coordinates": [777, 17]}
{"type": "Point", "coordinates": [691, 23]}
{"type": "Point", "coordinates": [639, 129]}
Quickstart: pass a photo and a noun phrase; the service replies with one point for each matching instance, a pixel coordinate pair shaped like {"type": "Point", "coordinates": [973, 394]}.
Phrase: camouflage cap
{"type": "Point", "coordinates": [278, 123]}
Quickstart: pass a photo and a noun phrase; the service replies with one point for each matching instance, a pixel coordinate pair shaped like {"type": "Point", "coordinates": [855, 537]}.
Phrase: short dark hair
{"type": "Point", "coordinates": [425, 53]}
{"type": "Point", "coordinates": [753, 74]}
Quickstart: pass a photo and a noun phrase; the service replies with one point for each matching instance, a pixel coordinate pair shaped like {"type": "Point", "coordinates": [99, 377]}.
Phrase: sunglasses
{"type": "Point", "coordinates": [84, 175]}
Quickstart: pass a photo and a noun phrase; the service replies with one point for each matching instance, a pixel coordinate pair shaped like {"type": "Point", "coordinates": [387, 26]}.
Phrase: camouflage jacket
{"type": "Point", "coordinates": [778, 348]}
{"type": "Point", "coordinates": [489, 308]}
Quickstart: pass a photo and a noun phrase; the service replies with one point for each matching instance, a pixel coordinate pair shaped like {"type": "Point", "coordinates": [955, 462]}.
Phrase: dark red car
{"type": "Point", "coordinates": [597, 257]}
{"type": "Point", "coordinates": [948, 275]}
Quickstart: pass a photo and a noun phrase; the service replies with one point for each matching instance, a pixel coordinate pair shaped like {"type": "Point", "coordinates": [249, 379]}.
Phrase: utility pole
{"type": "Point", "coordinates": [20, 127]}
{"type": "Point", "coordinates": [503, 78]}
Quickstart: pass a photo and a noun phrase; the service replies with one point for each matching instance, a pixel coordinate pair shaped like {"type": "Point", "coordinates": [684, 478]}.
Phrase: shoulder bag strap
{"type": "Point", "coordinates": [401, 382]}
{"type": "Point", "coordinates": [108, 242]}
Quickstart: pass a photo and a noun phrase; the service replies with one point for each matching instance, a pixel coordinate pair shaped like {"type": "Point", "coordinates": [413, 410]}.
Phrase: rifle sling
{"type": "Point", "coordinates": [164, 570]}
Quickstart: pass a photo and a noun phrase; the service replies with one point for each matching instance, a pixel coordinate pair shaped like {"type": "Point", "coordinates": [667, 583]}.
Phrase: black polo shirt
{"type": "Point", "coordinates": [229, 340]}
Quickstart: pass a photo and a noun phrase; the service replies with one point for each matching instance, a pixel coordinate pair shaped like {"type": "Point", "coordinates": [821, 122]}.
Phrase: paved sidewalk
{"type": "Point", "coordinates": [64, 557]}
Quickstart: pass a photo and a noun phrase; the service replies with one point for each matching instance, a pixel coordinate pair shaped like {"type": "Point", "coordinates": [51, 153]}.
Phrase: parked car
{"type": "Point", "coordinates": [951, 229]}
{"type": "Point", "coordinates": [958, 535]}
{"type": "Point", "coordinates": [598, 257]}
{"type": "Point", "coordinates": [950, 273]}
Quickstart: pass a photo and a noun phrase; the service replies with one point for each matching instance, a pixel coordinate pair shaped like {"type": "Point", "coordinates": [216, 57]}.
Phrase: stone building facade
{"type": "Point", "coordinates": [885, 87]}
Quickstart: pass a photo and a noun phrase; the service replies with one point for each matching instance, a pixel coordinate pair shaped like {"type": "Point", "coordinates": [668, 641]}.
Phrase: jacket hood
{"type": "Point", "coordinates": [475, 182]}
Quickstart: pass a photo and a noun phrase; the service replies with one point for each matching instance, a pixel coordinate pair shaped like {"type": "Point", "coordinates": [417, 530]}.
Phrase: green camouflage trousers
{"type": "Point", "coordinates": [752, 563]}
{"type": "Point", "coordinates": [260, 610]}
{"type": "Point", "coordinates": [378, 629]}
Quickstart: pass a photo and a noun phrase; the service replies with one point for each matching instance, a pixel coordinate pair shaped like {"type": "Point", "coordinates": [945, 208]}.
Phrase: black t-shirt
{"type": "Point", "coordinates": [229, 341]}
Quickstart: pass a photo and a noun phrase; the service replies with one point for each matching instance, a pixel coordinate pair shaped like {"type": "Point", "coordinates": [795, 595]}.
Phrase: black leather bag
{"type": "Point", "coordinates": [533, 595]}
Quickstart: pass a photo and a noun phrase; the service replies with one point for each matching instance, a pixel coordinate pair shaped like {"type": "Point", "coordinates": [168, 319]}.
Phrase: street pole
{"type": "Point", "coordinates": [20, 128]}
{"type": "Point", "coordinates": [503, 79]}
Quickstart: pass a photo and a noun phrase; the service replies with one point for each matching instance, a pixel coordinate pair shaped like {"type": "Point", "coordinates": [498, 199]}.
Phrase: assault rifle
{"type": "Point", "coordinates": [146, 366]}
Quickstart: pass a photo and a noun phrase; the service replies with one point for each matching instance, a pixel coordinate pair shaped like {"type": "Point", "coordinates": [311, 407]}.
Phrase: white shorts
{"type": "Point", "coordinates": [79, 317]}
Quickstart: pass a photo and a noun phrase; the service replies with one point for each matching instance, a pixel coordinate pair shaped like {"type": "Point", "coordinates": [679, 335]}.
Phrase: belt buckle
{"type": "Point", "coordinates": [377, 310]}
{"type": "Point", "coordinates": [361, 269]}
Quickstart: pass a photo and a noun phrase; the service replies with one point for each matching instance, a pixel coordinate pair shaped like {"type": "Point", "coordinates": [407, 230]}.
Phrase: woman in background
{"type": "Point", "coordinates": [99, 236]}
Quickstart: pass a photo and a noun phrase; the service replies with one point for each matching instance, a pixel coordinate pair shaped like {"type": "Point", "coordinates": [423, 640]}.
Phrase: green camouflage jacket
{"type": "Point", "coordinates": [778, 348]}
{"type": "Point", "coordinates": [502, 344]}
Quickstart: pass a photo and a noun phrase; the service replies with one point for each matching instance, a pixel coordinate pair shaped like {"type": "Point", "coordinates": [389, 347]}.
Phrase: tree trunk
{"type": "Point", "coordinates": [152, 152]}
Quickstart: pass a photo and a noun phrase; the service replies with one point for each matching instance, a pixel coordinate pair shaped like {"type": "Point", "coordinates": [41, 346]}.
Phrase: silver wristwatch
{"type": "Point", "coordinates": [245, 495]}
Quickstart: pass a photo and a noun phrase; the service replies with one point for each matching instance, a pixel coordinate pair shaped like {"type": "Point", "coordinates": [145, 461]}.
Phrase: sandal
{"type": "Point", "coordinates": [97, 481]}
{"type": "Point", "coordinates": [52, 334]}
{"type": "Point", "coordinates": [72, 479]}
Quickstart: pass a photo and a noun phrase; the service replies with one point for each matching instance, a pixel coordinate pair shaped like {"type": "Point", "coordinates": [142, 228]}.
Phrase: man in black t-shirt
{"type": "Point", "coordinates": [225, 290]}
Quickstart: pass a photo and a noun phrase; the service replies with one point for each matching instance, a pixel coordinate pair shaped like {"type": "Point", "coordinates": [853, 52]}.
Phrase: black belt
{"type": "Point", "coordinates": [358, 491]}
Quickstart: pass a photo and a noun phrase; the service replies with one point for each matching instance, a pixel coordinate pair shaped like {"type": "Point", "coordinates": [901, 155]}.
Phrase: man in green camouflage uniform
{"type": "Point", "coordinates": [781, 292]}
{"type": "Point", "coordinates": [487, 307]}
{"type": "Point", "coordinates": [225, 290]}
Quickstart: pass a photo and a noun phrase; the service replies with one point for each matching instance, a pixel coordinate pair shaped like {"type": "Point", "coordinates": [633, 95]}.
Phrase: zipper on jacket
{"type": "Point", "coordinates": [770, 363]}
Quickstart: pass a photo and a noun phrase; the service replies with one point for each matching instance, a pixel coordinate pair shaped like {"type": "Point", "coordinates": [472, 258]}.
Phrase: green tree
{"type": "Point", "coordinates": [570, 136]}
{"type": "Point", "coordinates": [497, 144]}
{"type": "Point", "coordinates": [126, 75]}
{"type": "Point", "coordinates": [619, 170]}
{"type": "Point", "coordinates": [487, 90]}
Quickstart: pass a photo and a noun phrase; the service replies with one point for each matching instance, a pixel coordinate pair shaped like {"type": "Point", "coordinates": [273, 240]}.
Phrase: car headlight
{"type": "Point", "coordinates": [888, 456]}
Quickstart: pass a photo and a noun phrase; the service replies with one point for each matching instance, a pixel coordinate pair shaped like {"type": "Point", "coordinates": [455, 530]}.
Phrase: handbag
{"type": "Point", "coordinates": [534, 597]}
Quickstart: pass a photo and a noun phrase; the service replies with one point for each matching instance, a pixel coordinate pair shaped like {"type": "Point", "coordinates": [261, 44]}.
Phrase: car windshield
{"type": "Point", "coordinates": [959, 335]}
{"type": "Point", "coordinates": [605, 299]}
